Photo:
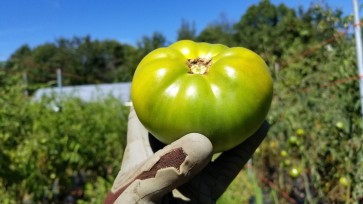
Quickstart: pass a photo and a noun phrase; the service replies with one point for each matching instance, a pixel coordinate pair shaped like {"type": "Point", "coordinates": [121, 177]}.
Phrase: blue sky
{"type": "Point", "coordinates": [35, 22]}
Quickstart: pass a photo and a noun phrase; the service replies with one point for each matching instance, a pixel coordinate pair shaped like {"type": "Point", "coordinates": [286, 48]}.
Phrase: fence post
{"type": "Point", "coordinates": [358, 40]}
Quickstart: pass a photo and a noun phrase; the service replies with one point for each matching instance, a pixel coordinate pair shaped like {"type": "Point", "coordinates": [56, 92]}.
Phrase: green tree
{"type": "Point", "coordinates": [126, 68]}
{"type": "Point", "coordinates": [187, 31]}
{"type": "Point", "coordinates": [271, 30]}
{"type": "Point", "coordinates": [148, 44]}
{"type": "Point", "coordinates": [45, 64]}
{"type": "Point", "coordinates": [220, 31]}
{"type": "Point", "coordinates": [19, 55]}
{"type": "Point", "coordinates": [268, 29]}
{"type": "Point", "coordinates": [82, 60]}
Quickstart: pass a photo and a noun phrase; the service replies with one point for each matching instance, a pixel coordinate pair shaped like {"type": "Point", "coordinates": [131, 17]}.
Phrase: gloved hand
{"type": "Point", "coordinates": [181, 172]}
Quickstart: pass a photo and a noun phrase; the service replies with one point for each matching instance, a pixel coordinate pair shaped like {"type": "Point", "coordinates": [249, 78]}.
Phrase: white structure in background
{"type": "Point", "coordinates": [89, 92]}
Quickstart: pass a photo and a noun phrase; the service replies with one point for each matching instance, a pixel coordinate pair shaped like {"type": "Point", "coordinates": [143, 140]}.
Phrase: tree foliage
{"type": "Point", "coordinates": [187, 31]}
{"type": "Point", "coordinates": [82, 60]}
{"type": "Point", "coordinates": [220, 31]}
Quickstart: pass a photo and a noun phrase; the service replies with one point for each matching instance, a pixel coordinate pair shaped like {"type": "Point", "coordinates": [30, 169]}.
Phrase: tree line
{"type": "Point", "coordinates": [268, 29]}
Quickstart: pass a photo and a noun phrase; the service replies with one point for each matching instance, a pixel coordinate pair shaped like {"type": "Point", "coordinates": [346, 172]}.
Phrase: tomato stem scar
{"type": "Point", "coordinates": [199, 65]}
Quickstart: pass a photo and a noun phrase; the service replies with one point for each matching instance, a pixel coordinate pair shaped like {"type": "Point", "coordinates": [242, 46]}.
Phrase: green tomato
{"type": "Point", "coordinates": [223, 93]}
{"type": "Point", "coordinates": [343, 181]}
{"type": "Point", "coordinates": [293, 140]}
{"type": "Point", "coordinates": [53, 175]}
{"type": "Point", "coordinates": [287, 162]}
{"type": "Point", "coordinates": [300, 131]}
{"type": "Point", "coordinates": [283, 153]}
{"type": "Point", "coordinates": [294, 172]}
{"type": "Point", "coordinates": [339, 125]}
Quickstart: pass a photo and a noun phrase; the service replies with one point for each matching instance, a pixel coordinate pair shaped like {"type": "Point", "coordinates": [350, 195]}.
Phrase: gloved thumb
{"type": "Point", "coordinates": [167, 169]}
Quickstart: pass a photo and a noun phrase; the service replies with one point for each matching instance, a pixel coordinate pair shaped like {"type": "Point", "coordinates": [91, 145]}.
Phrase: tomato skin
{"type": "Point", "coordinates": [227, 104]}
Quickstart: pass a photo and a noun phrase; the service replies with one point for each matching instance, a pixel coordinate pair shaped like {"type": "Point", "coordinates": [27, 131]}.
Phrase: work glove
{"type": "Point", "coordinates": [181, 172]}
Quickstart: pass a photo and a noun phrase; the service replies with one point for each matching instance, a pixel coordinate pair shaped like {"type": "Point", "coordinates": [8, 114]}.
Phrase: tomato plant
{"type": "Point", "coordinates": [223, 93]}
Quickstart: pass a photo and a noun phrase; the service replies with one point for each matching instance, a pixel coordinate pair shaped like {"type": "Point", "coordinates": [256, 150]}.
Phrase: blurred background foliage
{"type": "Point", "coordinates": [68, 150]}
{"type": "Point", "coordinates": [53, 151]}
